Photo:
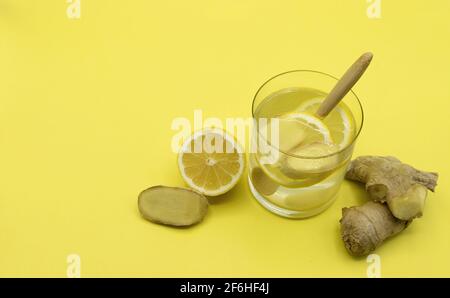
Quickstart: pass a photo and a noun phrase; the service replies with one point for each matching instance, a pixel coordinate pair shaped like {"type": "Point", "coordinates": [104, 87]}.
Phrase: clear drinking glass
{"type": "Point", "coordinates": [294, 184]}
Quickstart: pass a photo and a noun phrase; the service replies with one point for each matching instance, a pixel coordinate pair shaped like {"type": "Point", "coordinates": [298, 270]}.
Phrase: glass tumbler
{"type": "Point", "coordinates": [308, 192]}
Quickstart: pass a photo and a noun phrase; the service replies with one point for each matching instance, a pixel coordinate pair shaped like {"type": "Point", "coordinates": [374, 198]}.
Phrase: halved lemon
{"type": "Point", "coordinates": [211, 162]}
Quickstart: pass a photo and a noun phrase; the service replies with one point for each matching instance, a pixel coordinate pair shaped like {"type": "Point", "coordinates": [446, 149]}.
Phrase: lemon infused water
{"type": "Point", "coordinates": [299, 171]}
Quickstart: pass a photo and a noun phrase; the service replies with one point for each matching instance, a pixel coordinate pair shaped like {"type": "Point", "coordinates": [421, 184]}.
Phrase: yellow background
{"type": "Point", "coordinates": [85, 124]}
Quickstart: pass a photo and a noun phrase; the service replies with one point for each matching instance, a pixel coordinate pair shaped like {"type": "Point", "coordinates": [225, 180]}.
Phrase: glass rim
{"type": "Point", "coordinates": [319, 73]}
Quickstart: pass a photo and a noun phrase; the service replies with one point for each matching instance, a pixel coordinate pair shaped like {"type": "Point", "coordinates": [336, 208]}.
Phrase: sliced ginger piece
{"type": "Point", "coordinates": [172, 206]}
{"type": "Point", "coordinates": [263, 184]}
{"type": "Point", "coordinates": [291, 133]}
{"type": "Point", "coordinates": [302, 128]}
{"type": "Point", "coordinates": [309, 160]}
{"type": "Point", "coordinates": [389, 180]}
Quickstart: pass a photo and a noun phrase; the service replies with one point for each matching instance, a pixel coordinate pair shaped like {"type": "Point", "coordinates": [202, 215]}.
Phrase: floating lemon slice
{"type": "Point", "coordinates": [211, 162]}
{"type": "Point", "coordinates": [312, 130]}
{"type": "Point", "coordinates": [308, 157]}
{"type": "Point", "coordinates": [340, 122]}
{"type": "Point", "coordinates": [289, 131]}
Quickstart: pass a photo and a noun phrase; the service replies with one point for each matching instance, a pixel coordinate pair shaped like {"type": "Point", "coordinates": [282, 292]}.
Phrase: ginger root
{"type": "Point", "coordinates": [387, 179]}
{"type": "Point", "coordinates": [398, 192]}
{"type": "Point", "coordinates": [364, 228]}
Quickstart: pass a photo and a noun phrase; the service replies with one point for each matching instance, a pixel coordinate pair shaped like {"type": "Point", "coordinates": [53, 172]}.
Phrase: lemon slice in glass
{"type": "Point", "coordinates": [211, 162]}
{"type": "Point", "coordinates": [308, 157]}
{"type": "Point", "coordinates": [304, 129]}
{"type": "Point", "coordinates": [339, 121]}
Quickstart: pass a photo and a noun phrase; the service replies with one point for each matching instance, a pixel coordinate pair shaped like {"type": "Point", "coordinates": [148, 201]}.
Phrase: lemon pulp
{"type": "Point", "coordinates": [211, 162]}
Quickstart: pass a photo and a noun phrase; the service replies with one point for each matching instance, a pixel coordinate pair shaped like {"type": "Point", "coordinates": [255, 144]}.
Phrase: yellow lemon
{"type": "Point", "coordinates": [211, 162]}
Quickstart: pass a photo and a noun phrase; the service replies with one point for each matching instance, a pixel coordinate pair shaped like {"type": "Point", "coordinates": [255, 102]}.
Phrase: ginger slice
{"type": "Point", "coordinates": [364, 228]}
{"type": "Point", "coordinates": [314, 165]}
{"type": "Point", "coordinates": [387, 179]}
{"type": "Point", "coordinates": [262, 183]}
{"type": "Point", "coordinates": [172, 206]}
